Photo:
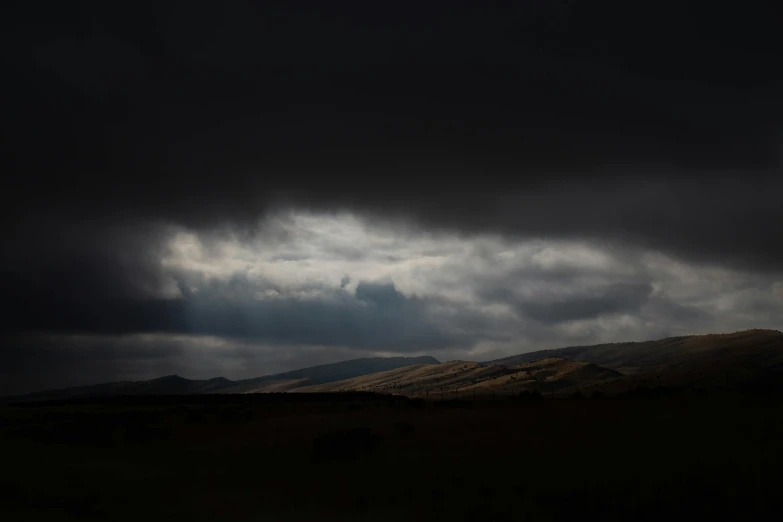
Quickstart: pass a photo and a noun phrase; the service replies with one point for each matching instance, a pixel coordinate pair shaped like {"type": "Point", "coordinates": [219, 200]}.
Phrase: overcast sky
{"type": "Point", "coordinates": [241, 189]}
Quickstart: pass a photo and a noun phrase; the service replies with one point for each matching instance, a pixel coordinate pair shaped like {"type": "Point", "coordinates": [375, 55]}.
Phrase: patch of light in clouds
{"type": "Point", "coordinates": [482, 279]}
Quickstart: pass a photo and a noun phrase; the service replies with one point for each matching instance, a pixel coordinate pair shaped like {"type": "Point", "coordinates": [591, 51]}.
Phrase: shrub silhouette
{"type": "Point", "coordinates": [79, 432]}
{"type": "Point", "coordinates": [417, 403]}
{"type": "Point", "coordinates": [235, 415]}
{"type": "Point", "coordinates": [344, 444]}
{"type": "Point", "coordinates": [146, 433]}
{"type": "Point", "coordinates": [528, 395]}
{"type": "Point", "coordinates": [404, 428]}
{"type": "Point", "coordinates": [195, 417]}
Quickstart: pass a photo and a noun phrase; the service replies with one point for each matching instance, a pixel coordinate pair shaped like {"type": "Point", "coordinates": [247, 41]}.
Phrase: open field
{"type": "Point", "coordinates": [371, 457]}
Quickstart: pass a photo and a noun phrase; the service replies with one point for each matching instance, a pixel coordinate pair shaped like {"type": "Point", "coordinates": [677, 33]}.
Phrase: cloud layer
{"type": "Point", "coordinates": [385, 177]}
{"type": "Point", "coordinates": [338, 286]}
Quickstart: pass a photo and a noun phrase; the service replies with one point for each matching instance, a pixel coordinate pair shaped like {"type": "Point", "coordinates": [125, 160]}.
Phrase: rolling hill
{"type": "Point", "coordinates": [698, 361]}
{"type": "Point", "coordinates": [546, 375]}
{"type": "Point", "coordinates": [169, 385]}
{"type": "Point", "coordinates": [449, 374]}
{"type": "Point", "coordinates": [326, 373]}
{"type": "Point", "coordinates": [281, 382]}
{"type": "Point", "coordinates": [759, 347]}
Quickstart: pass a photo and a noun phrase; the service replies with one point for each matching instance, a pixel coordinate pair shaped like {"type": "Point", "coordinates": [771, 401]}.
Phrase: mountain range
{"type": "Point", "coordinates": [703, 361]}
{"type": "Point", "coordinates": [281, 382]}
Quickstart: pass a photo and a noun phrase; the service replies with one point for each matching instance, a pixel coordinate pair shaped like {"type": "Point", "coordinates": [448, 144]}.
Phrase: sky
{"type": "Point", "coordinates": [253, 187]}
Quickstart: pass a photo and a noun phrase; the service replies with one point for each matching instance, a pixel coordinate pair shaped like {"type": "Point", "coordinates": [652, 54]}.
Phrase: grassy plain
{"type": "Point", "coordinates": [368, 457]}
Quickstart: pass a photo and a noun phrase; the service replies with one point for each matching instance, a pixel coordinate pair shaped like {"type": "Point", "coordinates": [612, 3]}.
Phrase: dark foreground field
{"type": "Point", "coordinates": [364, 457]}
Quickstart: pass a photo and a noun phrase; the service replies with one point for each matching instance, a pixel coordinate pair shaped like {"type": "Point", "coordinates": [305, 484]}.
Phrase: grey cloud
{"type": "Point", "coordinates": [376, 317]}
{"type": "Point", "coordinates": [671, 313]}
{"type": "Point", "coordinates": [585, 304]}
{"type": "Point", "coordinates": [346, 252]}
{"type": "Point", "coordinates": [290, 257]}
{"type": "Point", "coordinates": [382, 295]}
{"type": "Point", "coordinates": [508, 305]}
{"type": "Point", "coordinates": [622, 294]}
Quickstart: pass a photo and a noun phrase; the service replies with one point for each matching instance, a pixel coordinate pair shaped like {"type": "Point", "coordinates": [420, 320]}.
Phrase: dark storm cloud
{"type": "Point", "coordinates": [617, 298]}
{"type": "Point", "coordinates": [543, 119]}
{"type": "Point", "coordinates": [34, 362]}
{"type": "Point", "coordinates": [376, 317]}
{"type": "Point", "coordinates": [648, 125]}
{"type": "Point", "coordinates": [54, 273]}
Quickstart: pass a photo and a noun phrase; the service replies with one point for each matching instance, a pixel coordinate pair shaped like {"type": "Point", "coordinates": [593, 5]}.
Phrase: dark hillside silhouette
{"type": "Point", "coordinates": [765, 347]}
{"type": "Point", "coordinates": [176, 385]}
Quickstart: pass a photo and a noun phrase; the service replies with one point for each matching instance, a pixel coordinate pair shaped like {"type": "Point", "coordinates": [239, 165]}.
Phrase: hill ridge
{"type": "Point", "coordinates": [280, 382]}
{"type": "Point", "coordinates": [643, 353]}
{"type": "Point", "coordinates": [752, 351]}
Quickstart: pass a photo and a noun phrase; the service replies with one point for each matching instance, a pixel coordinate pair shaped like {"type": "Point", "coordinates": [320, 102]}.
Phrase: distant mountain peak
{"type": "Point", "coordinates": [171, 378]}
